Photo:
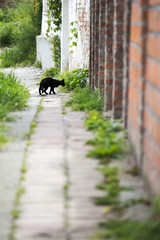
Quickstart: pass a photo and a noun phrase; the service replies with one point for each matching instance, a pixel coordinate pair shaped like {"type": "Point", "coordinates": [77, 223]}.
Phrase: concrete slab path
{"type": "Point", "coordinates": [60, 181]}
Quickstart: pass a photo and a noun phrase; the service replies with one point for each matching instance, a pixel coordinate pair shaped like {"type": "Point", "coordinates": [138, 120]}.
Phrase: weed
{"type": "Point", "coordinates": [13, 95]}
{"type": "Point", "coordinates": [3, 138]}
{"type": "Point", "coordinates": [51, 72]}
{"type": "Point", "coordinates": [107, 143]}
{"type": "Point", "coordinates": [20, 24]}
{"type": "Point", "coordinates": [15, 213]}
{"type": "Point", "coordinates": [38, 64]}
{"type": "Point", "coordinates": [20, 192]}
{"type": "Point", "coordinates": [84, 99]}
{"type": "Point", "coordinates": [129, 229]}
{"type": "Point", "coordinates": [75, 79]}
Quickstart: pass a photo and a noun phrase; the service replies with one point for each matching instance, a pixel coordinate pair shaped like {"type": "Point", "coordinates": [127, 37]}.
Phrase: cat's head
{"type": "Point", "coordinates": [63, 83]}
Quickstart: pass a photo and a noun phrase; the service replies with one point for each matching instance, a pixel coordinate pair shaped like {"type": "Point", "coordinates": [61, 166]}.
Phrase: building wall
{"type": "Point", "coordinates": [126, 69]}
{"type": "Point", "coordinates": [79, 12]}
{"type": "Point", "coordinates": [42, 42]}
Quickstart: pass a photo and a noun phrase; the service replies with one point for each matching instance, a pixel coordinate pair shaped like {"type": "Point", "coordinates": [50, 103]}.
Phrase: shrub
{"type": "Point", "coordinates": [85, 99]}
{"type": "Point", "coordinates": [51, 72]}
{"type": "Point", "coordinates": [75, 79]}
{"type": "Point", "coordinates": [13, 95]}
{"type": "Point", "coordinates": [19, 27]}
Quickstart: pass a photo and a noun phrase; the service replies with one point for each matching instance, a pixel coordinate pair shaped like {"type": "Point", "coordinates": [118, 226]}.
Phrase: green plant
{"type": "Point", "coordinates": [51, 72]}
{"type": "Point", "coordinates": [20, 25]}
{"type": "Point", "coordinates": [84, 99]}
{"type": "Point", "coordinates": [13, 95]}
{"type": "Point", "coordinates": [3, 138]}
{"type": "Point", "coordinates": [20, 192]}
{"type": "Point", "coordinates": [107, 143]}
{"type": "Point", "coordinates": [15, 213]}
{"type": "Point", "coordinates": [75, 79]}
{"type": "Point", "coordinates": [129, 230]}
{"type": "Point", "coordinates": [54, 17]}
{"type": "Point", "coordinates": [74, 35]}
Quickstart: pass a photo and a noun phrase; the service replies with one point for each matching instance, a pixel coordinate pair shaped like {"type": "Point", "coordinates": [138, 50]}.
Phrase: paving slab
{"type": "Point", "coordinates": [11, 156]}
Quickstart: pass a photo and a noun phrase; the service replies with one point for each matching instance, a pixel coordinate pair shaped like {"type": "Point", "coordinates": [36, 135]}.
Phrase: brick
{"type": "Point", "coordinates": [152, 99]}
{"type": "Point", "coordinates": [152, 152]}
{"type": "Point", "coordinates": [152, 125]}
{"type": "Point", "coordinates": [133, 94]}
{"type": "Point", "coordinates": [135, 54]}
{"type": "Point", "coordinates": [136, 34]}
{"type": "Point", "coordinates": [153, 46]}
{"type": "Point", "coordinates": [134, 74]}
{"type": "Point", "coordinates": [153, 2]}
{"type": "Point", "coordinates": [152, 72]}
{"type": "Point", "coordinates": [136, 13]}
{"type": "Point", "coordinates": [133, 114]}
{"type": "Point", "coordinates": [154, 20]}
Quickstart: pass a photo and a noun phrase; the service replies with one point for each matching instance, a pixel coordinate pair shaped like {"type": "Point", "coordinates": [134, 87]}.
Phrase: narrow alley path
{"type": "Point", "coordinates": [59, 180]}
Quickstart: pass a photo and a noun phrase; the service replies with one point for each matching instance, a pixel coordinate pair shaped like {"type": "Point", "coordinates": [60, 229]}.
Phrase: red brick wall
{"type": "Point", "coordinates": [151, 113]}
{"type": "Point", "coordinates": [144, 88]}
{"type": "Point", "coordinates": [128, 32]}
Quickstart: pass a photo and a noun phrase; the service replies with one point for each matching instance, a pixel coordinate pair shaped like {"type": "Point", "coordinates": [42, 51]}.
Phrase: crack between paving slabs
{"type": "Point", "coordinates": [67, 182]}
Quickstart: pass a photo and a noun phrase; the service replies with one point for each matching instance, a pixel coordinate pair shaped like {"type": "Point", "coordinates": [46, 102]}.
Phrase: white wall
{"type": "Point", "coordinates": [44, 53]}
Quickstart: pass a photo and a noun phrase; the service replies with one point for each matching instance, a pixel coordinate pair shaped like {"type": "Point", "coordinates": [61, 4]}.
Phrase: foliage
{"type": "Point", "coordinates": [51, 72]}
{"type": "Point", "coordinates": [13, 96]}
{"type": "Point", "coordinates": [130, 230]}
{"type": "Point", "coordinates": [75, 79]}
{"type": "Point", "coordinates": [38, 15]}
{"type": "Point", "coordinates": [107, 143]}
{"type": "Point", "coordinates": [20, 24]}
{"type": "Point", "coordinates": [54, 13]}
{"type": "Point", "coordinates": [54, 17]}
{"type": "Point", "coordinates": [3, 138]}
{"type": "Point", "coordinates": [56, 50]}
{"type": "Point", "coordinates": [74, 35]}
{"type": "Point", "coordinates": [84, 99]}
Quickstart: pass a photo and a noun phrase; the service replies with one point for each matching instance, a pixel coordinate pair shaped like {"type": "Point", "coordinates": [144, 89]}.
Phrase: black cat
{"type": "Point", "coordinates": [49, 82]}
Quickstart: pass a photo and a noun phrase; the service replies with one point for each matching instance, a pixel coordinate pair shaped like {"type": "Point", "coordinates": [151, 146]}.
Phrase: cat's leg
{"type": "Point", "coordinates": [44, 90]}
{"type": "Point", "coordinates": [53, 91]}
{"type": "Point", "coordinates": [50, 90]}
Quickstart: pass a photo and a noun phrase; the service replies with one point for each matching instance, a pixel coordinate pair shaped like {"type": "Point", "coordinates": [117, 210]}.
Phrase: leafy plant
{"type": "Point", "coordinates": [13, 95]}
{"type": "Point", "coordinates": [20, 25]}
{"type": "Point", "coordinates": [51, 72]}
{"type": "Point", "coordinates": [107, 143]}
{"type": "Point", "coordinates": [3, 138]}
{"type": "Point", "coordinates": [74, 35]}
{"type": "Point", "coordinates": [54, 17]}
{"type": "Point", "coordinates": [84, 99]}
{"type": "Point", "coordinates": [75, 79]}
{"type": "Point", "coordinates": [129, 229]}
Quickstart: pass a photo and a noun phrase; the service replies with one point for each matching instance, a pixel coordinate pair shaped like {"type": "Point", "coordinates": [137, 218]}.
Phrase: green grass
{"type": "Point", "coordinates": [3, 138]}
{"type": "Point", "coordinates": [109, 141]}
{"type": "Point", "coordinates": [18, 25]}
{"type": "Point", "coordinates": [74, 79]}
{"type": "Point", "coordinates": [84, 99]}
{"type": "Point", "coordinates": [13, 95]}
{"type": "Point", "coordinates": [129, 230]}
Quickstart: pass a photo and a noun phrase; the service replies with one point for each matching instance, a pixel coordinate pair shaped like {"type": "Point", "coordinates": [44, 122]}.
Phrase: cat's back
{"type": "Point", "coordinates": [47, 82]}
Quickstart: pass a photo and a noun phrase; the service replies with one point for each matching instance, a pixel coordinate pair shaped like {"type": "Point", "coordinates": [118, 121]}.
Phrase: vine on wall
{"type": "Point", "coordinates": [54, 17]}
{"type": "Point", "coordinates": [38, 15]}
{"type": "Point", "coordinates": [74, 35]}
